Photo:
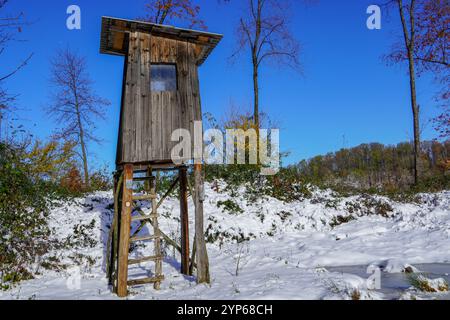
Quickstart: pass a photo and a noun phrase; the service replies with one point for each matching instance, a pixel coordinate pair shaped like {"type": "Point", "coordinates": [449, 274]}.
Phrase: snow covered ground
{"type": "Point", "coordinates": [291, 250]}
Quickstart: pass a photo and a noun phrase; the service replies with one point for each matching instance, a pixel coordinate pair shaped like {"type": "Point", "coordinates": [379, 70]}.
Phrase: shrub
{"type": "Point", "coordinates": [24, 206]}
{"type": "Point", "coordinates": [230, 206]}
{"type": "Point", "coordinates": [100, 180]}
{"type": "Point", "coordinates": [72, 181]}
{"type": "Point", "coordinates": [82, 236]}
{"type": "Point", "coordinates": [375, 206]}
{"type": "Point", "coordinates": [424, 284]}
{"type": "Point", "coordinates": [337, 221]}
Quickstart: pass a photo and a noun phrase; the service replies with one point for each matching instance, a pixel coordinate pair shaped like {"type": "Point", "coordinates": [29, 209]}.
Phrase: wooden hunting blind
{"type": "Point", "coordinates": [160, 94]}
{"type": "Point", "coordinates": [161, 87]}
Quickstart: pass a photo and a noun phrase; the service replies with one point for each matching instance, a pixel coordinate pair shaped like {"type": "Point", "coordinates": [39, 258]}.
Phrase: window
{"type": "Point", "coordinates": [163, 77]}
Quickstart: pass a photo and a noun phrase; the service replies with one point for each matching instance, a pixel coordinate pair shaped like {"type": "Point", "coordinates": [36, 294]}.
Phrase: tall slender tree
{"type": "Point", "coordinates": [75, 104]}
{"type": "Point", "coordinates": [264, 33]}
{"type": "Point", "coordinates": [425, 47]}
{"type": "Point", "coordinates": [409, 34]}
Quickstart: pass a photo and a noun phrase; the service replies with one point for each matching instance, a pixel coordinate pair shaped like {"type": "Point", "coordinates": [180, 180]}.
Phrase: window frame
{"type": "Point", "coordinates": [164, 64]}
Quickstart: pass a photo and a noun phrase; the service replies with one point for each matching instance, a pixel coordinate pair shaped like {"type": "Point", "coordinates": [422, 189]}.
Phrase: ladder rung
{"type": "Point", "coordinates": [144, 197]}
{"type": "Point", "coordinates": [145, 259]}
{"type": "Point", "coordinates": [145, 281]}
{"type": "Point", "coordinates": [138, 179]}
{"type": "Point", "coordinates": [144, 238]}
{"type": "Point", "coordinates": [143, 218]}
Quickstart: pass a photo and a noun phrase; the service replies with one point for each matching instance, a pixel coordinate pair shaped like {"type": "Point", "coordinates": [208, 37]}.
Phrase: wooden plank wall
{"type": "Point", "coordinates": [149, 118]}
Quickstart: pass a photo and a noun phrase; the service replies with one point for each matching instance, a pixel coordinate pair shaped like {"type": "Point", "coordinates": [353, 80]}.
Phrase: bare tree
{"type": "Point", "coordinates": [432, 36]}
{"type": "Point", "coordinates": [166, 11]}
{"type": "Point", "coordinates": [10, 25]}
{"type": "Point", "coordinates": [433, 54]}
{"type": "Point", "coordinates": [409, 39]}
{"type": "Point", "coordinates": [442, 123]}
{"type": "Point", "coordinates": [75, 104]}
{"type": "Point", "coordinates": [263, 32]}
{"type": "Point", "coordinates": [425, 47]}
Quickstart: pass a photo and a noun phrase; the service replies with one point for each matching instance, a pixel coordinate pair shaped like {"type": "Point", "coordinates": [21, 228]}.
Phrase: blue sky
{"type": "Point", "coordinates": [347, 95]}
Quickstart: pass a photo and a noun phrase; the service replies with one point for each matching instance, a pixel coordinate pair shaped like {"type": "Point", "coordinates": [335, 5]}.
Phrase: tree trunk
{"type": "Point", "coordinates": [409, 44]}
{"type": "Point", "coordinates": [184, 217]}
{"type": "Point", "coordinates": [202, 255]}
{"type": "Point", "coordinates": [255, 93]}
{"type": "Point", "coordinates": [415, 110]}
{"type": "Point", "coordinates": [255, 61]}
{"type": "Point", "coordinates": [83, 149]}
{"type": "Point", "coordinates": [256, 108]}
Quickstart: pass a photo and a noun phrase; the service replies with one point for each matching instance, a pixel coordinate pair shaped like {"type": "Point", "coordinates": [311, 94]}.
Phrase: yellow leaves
{"type": "Point", "coordinates": [250, 141]}
{"type": "Point", "coordinates": [50, 158]}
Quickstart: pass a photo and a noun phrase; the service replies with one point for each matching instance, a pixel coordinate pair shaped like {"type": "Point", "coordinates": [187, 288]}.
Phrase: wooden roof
{"type": "Point", "coordinates": [114, 30]}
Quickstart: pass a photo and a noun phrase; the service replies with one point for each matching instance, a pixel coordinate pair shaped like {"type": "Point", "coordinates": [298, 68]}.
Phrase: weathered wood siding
{"type": "Point", "coordinates": [149, 118]}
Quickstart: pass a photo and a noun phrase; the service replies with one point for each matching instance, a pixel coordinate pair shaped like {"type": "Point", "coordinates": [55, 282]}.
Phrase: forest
{"type": "Point", "coordinates": [376, 166]}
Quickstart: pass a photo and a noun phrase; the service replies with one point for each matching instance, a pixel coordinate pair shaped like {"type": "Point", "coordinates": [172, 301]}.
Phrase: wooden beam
{"type": "Point", "coordinates": [184, 217]}
{"type": "Point", "coordinates": [144, 259]}
{"type": "Point", "coordinates": [143, 238]}
{"type": "Point", "coordinates": [109, 252]}
{"type": "Point", "coordinates": [124, 242]}
{"type": "Point", "coordinates": [202, 255]}
{"type": "Point", "coordinates": [112, 245]}
{"type": "Point", "coordinates": [146, 281]}
{"type": "Point", "coordinates": [144, 197]}
{"type": "Point", "coordinates": [118, 38]}
{"type": "Point", "coordinates": [192, 265]}
{"type": "Point", "coordinates": [157, 233]}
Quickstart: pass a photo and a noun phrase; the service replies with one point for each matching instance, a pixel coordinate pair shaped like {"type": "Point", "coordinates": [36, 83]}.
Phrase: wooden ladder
{"type": "Point", "coordinates": [125, 204]}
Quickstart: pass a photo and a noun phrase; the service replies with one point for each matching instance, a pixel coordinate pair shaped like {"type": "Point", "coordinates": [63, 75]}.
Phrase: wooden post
{"type": "Point", "coordinates": [158, 263]}
{"type": "Point", "coordinates": [192, 265]}
{"type": "Point", "coordinates": [112, 246]}
{"type": "Point", "coordinates": [125, 223]}
{"type": "Point", "coordinates": [202, 254]}
{"type": "Point", "coordinates": [109, 244]}
{"type": "Point", "coordinates": [184, 221]}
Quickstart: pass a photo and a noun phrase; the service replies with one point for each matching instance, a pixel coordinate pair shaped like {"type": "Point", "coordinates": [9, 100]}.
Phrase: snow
{"type": "Point", "coordinates": [288, 249]}
{"type": "Point", "coordinates": [433, 285]}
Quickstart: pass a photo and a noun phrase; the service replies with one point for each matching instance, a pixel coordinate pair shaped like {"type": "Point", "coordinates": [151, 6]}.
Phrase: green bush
{"type": "Point", "coordinates": [100, 180]}
{"type": "Point", "coordinates": [286, 185]}
{"type": "Point", "coordinates": [25, 202]}
{"type": "Point", "coordinates": [230, 206]}
{"type": "Point", "coordinates": [337, 221]}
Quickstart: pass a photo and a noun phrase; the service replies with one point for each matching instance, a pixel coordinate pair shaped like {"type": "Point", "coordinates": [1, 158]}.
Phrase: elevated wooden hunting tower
{"type": "Point", "coordinates": [161, 87]}
{"type": "Point", "coordinates": [160, 94]}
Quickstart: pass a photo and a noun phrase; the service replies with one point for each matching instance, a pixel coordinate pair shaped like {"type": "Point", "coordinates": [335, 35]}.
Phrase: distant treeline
{"type": "Point", "coordinates": [376, 165]}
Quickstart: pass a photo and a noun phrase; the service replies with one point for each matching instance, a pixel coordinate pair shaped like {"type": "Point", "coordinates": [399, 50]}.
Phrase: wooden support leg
{"type": "Point", "coordinates": [116, 230]}
{"type": "Point", "coordinates": [192, 265]}
{"type": "Point", "coordinates": [158, 263]}
{"type": "Point", "coordinates": [109, 244]}
{"type": "Point", "coordinates": [202, 255]}
{"type": "Point", "coordinates": [184, 222]}
{"type": "Point", "coordinates": [112, 244]}
{"type": "Point", "coordinates": [125, 224]}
